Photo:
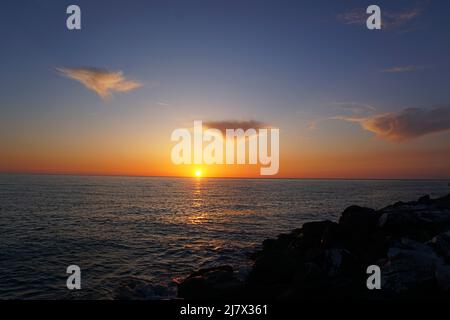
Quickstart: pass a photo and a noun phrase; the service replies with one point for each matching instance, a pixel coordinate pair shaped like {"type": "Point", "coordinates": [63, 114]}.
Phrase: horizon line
{"type": "Point", "coordinates": [212, 177]}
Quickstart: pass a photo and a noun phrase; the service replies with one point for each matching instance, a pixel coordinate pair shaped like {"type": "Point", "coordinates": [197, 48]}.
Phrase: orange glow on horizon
{"type": "Point", "coordinates": [138, 159]}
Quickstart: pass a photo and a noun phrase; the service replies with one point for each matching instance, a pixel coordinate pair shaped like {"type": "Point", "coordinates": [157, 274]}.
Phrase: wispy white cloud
{"type": "Point", "coordinates": [354, 16]}
{"type": "Point", "coordinates": [101, 81]}
{"type": "Point", "coordinates": [352, 110]}
{"type": "Point", "coordinates": [163, 104]}
{"type": "Point", "coordinates": [389, 19]}
{"type": "Point", "coordinates": [397, 19]}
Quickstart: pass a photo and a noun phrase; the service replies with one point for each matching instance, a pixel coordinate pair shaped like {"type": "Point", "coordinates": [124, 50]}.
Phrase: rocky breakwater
{"type": "Point", "coordinates": [410, 242]}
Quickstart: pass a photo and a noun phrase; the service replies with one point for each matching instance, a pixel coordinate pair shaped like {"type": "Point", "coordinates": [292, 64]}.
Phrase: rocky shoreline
{"type": "Point", "coordinates": [409, 241]}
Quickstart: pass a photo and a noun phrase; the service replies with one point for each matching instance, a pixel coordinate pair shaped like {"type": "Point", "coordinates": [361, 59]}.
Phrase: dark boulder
{"type": "Point", "coordinates": [420, 220]}
{"type": "Point", "coordinates": [410, 241]}
{"type": "Point", "coordinates": [441, 243]}
{"type": "Point", "coordinates": [443, 202]}
{"type": "Point", "coordinates": [424, 200]}
{"type": "Point", "coordinates": [359, 233]}
{"type": "Point", "coordinates": [410, 268]}
{"type": "Point", "coordinates": [355, 218]}
{"type": "Point", "coordinates": [313, 232]}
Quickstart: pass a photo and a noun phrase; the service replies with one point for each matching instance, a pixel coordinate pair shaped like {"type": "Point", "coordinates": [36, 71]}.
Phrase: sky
{"type": "Point", "coordinates": [349, 102]}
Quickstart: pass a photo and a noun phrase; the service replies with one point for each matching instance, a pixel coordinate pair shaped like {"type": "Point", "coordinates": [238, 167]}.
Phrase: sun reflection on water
{"type": "Point", "coordinates": [198, 216]}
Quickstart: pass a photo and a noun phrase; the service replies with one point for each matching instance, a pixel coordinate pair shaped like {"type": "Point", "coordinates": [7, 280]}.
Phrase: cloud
{"type": "Point", "coordinates": [389, 20]}
{"type": "Point", "coordinates": [355, 16]}
{"type": "Point", "coordinates": [401, 69]}
{"type": "Point", "coordinates": [101, 81]}
{"type": "Point", "coordinates": [409, 124]}
{"type": "Point", "coordinates": [394, 20]}
{"type": "Point", "coordinates": [235, 124]}
{"type": "Point", "coordinates": [356, 109]}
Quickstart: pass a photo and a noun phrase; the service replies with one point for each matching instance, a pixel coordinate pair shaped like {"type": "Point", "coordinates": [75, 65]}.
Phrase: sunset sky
{"type": "Point", "coordinates": [349, 102]}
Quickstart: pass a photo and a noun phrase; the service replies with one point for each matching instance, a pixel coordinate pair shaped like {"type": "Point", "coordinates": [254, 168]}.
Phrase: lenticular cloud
{"type": "Point", "coordinates": [101, 81]}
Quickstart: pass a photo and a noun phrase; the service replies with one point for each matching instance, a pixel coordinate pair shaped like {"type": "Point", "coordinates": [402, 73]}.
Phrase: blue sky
{"type": "Point", "coordinates": [290, 63]}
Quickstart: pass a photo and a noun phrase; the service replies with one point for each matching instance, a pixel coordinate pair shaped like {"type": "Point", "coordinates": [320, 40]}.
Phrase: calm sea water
{"type": "Point", "coordinates": [157, 229]}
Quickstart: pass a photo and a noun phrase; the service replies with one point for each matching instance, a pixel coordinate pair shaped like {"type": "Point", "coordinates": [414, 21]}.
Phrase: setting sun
{"type": "Point", "coordinates": [198, 173]}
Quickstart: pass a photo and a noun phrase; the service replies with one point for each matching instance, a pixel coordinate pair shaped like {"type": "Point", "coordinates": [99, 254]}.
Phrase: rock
{"type": "Point", "coordinates": [274, 268]}
{"type": "Point", "coordinates": [269, 244]}
{"type": "Point", "coordinates": [424, 200]}
{"type": "Point", "coordinates": [442, 275]}
{"type": "Point", "coordinates": [284, 241]}
{"type": "Point", "coordinates": [420, 220]}
{"type": "Point", "coordinates": [338, 261]}
{"type": "Point", "coordinates": [359, 233]}
{"type": "Point", "coordinates": [411, 267]}
{"type": "Point", "coordinates": [313, 232]}
{"type": "Point", "coordinates": [407, 247]}
{"type": "Point", "coordinates": [211, 283]}
{"type": "Point", "coordinates": [443, 202]}
{"type": "Point", "coordinates": [357, 224]}
{"type": "Point", "coordinates": [355, 218]}
{"type": "Point", "coordinates": [332, 236]}
{"type": "Point", "coordinates": [410, 241]}
{"type": "Point", "coordinates": [442, 245]}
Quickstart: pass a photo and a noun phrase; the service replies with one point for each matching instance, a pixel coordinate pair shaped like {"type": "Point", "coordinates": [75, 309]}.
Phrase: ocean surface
{"type": "Point", "coordinates": [154, 230]}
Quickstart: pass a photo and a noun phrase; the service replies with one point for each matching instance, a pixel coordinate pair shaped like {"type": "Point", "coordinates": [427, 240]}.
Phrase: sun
{"type": "Point", "coordinates": [198, 173]}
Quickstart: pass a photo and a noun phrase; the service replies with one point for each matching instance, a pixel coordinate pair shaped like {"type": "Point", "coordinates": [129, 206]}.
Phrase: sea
{"type": "Point", "coordinates": [155, 231]}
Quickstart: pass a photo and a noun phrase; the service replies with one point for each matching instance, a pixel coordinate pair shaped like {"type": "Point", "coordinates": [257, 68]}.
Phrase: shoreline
{"type": "Point", "coordinates": [408, 241]}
